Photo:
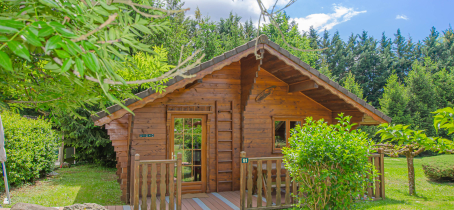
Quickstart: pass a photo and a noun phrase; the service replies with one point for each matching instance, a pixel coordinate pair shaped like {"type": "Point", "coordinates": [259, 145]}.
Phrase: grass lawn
{"type": "Point", "coordinates": [94, 184]}
{"type": "Point", "coordinates": [79, 184]}
{"type": "Point", "coordinates": [430, 195]}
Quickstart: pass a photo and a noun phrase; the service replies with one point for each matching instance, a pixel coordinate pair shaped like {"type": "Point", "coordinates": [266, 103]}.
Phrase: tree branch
{"type": "Point", "coordinates": [419, 151]}
{"type": "Point", "coordinates": [108, 21]}
{"type": "Point", "coordinates": [265, 13]}
{"type": "Point", "coordinates": [172, 73]}
{"type": "Point", "coordinates": [31, 102]}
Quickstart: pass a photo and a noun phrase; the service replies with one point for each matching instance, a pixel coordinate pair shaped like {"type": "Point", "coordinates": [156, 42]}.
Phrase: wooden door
{"type": "Point", "coordinates": [188, 136]}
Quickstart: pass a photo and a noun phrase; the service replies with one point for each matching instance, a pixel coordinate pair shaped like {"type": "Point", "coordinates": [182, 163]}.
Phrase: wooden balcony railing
{"type": "Point", "coordinates": [268, 174]}
{"type": "Point", "coordinates": [167, 181]}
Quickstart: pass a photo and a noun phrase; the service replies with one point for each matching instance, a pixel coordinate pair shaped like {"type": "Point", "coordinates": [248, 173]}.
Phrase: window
{"type": "Point", "coordinates": [281, 131]}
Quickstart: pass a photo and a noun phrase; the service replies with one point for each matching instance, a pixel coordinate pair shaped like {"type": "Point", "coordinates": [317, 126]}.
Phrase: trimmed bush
{"type": "Point", "coordinates": [439, 168]}
{"type": "Point", "coordinates": [330, 162]}
{"type": "Point", "coordinates": [31, 148]}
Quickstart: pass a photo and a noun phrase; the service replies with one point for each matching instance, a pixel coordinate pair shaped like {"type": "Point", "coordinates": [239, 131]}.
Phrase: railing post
{"type": "Point", "coordinates": [242, 180]}
{"type": "Point", "coordinates": [136, 181]}
{"type": "Point", "coordinates": [179, 181]}
{"type": "Point", "coordinates": [382, 172]}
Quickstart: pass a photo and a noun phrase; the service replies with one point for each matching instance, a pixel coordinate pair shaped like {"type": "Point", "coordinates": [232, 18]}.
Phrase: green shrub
{"type": "Point", "coordinates": [30, 146]}
{"type": "Point", "coordinates": [439, 168]}
{"type": "Point", "coordinates": [330, 162]}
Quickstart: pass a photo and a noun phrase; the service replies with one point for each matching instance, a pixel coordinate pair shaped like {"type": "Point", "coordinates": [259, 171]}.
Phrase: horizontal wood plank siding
{"type": "Point", "coordinates": [258, 139]}
{"type": "Point", "coordinates": [222, 86]}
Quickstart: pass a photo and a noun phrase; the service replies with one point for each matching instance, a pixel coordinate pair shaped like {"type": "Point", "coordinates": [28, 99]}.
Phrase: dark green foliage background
{"type": "Point", "coordinates": [91, 142]}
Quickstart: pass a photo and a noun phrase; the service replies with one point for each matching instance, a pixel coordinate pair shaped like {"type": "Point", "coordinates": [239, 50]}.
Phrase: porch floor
{"type": "Point", "coordinates": [223, 200]}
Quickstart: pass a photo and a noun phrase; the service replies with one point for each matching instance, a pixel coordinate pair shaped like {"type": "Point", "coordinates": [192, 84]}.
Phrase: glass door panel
{"type": "Point", "coordinates": [188, 141]}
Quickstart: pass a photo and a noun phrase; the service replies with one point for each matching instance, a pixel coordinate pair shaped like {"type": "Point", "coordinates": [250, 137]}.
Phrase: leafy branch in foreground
{"type": "Point", "coordinates": [68, 54]}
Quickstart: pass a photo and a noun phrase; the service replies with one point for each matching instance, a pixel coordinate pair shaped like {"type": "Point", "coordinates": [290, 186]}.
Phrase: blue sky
{"type": "Point", "coordinates": [414, 18]}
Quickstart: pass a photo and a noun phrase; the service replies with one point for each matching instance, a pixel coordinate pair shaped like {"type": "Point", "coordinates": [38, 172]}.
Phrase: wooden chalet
{"type": "Point", "coordinates": [233, 103]}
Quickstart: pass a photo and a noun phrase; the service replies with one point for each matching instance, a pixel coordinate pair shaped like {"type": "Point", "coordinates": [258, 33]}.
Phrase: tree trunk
{"type": "Point", "coordinates": [411, 172]}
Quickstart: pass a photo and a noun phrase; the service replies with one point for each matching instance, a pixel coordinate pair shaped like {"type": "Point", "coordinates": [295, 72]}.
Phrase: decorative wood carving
{"type": "Point", "coordinates": [265, 93]}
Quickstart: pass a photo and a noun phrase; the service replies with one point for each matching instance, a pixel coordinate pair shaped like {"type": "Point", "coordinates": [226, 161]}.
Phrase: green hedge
{"type": "Point", "coordinates": [439, 168]}
{"type": "Point", "coordinates": [30, 146]}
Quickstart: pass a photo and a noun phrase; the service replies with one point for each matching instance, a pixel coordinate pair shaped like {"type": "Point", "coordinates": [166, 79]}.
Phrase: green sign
{"type": "Point", "coordinates": [146, 135]}
{"type": "Point", "coordinates": [244, 160]}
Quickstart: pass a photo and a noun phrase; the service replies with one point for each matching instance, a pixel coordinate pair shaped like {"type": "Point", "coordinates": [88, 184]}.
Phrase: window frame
{"type": "Point", "coordinates": [287, 120]}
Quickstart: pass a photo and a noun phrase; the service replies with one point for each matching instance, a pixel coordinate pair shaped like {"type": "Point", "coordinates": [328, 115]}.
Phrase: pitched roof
{"type": "Point", "coordinates": [263, 39]}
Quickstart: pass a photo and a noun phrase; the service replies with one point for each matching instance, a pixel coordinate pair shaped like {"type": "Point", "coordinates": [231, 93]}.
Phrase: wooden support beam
{"type": "Point", "coordinates": [302, 86]}
{"type": "Point", "coordinates": [368, 120]}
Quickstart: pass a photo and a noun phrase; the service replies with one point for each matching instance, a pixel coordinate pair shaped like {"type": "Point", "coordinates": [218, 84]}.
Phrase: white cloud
{"type": "Point", "coordinates": [403, 17]}
{"type": "Point", "coordinates": [322, 21]}
{"type": "Point", "coordinates": [248, 9]}
{"type": "Point", "coordinates": [216, 9]}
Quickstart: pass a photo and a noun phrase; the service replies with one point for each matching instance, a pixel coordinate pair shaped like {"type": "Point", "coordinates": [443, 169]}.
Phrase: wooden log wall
{"type": "Point", "coordinates": [258, 139]}
{"type": "Point", "coordinates": [118, 130]}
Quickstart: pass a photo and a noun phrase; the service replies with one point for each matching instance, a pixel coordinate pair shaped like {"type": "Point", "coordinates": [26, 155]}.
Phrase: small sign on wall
{"type": "Point", "coordinates": [146, 135]}
{"type": "Point", "coordinates": [244, 160]}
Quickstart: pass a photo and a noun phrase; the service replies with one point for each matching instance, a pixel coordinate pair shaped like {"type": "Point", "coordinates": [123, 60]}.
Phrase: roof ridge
{"type": "Point", "coordinates": [262, 39]}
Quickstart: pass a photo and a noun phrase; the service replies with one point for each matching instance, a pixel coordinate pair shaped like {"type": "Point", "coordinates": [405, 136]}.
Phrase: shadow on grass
{"type": "Point", "coordinates": [387, 201]}
{"type": "Point", "coordinates": [447, 182]}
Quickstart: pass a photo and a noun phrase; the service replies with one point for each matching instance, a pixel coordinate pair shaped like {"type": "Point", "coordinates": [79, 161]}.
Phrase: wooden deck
{"type": "Point", "coordinates": [222, 201]}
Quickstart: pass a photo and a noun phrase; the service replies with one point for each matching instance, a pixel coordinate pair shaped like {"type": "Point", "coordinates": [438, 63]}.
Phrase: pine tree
{"type": "Point", "coordinates": [422, 95]}
{"type": "Point", "coordinates": [351, 52]}
{"type": "Point", "coordinates": [313, 38]}
{"type": "Point", "coordinates": [366, 69]}
{"type": "Point", "coordinates": [336, 62]}
{"type": "Point", "coordinates": [432, 46]}
{"type": "Point", "coordinates": [325, 55]}
{"type": "Point", "coordinates": [447, 52]}
{"type": "Point", "coordinates": [402, 64]}
{"type": "Point", "coordinates": [352, 85]}
{"type": "Point", "coordinates": [395, 100]}
{"type": "Point", "coordinates": [384, 68]}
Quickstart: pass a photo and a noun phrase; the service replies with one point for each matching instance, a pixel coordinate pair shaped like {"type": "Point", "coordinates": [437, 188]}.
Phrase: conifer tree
{"type": "Point", "coordinates": [402, 64]}
{"type": "Point", "coordinates": [336, 61]}
{"type": "Point", "coordinates": [351, 85]}
{"type": "Point", "coordinates": [395, 100]}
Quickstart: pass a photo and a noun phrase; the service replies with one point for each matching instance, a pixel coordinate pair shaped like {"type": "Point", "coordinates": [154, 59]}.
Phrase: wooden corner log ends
{"type": "Point", "coordinates": [170, 184]}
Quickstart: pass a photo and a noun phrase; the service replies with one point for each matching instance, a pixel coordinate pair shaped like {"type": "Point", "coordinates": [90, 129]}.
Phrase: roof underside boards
{"type": "Point", "coordinates": [276, 61]}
